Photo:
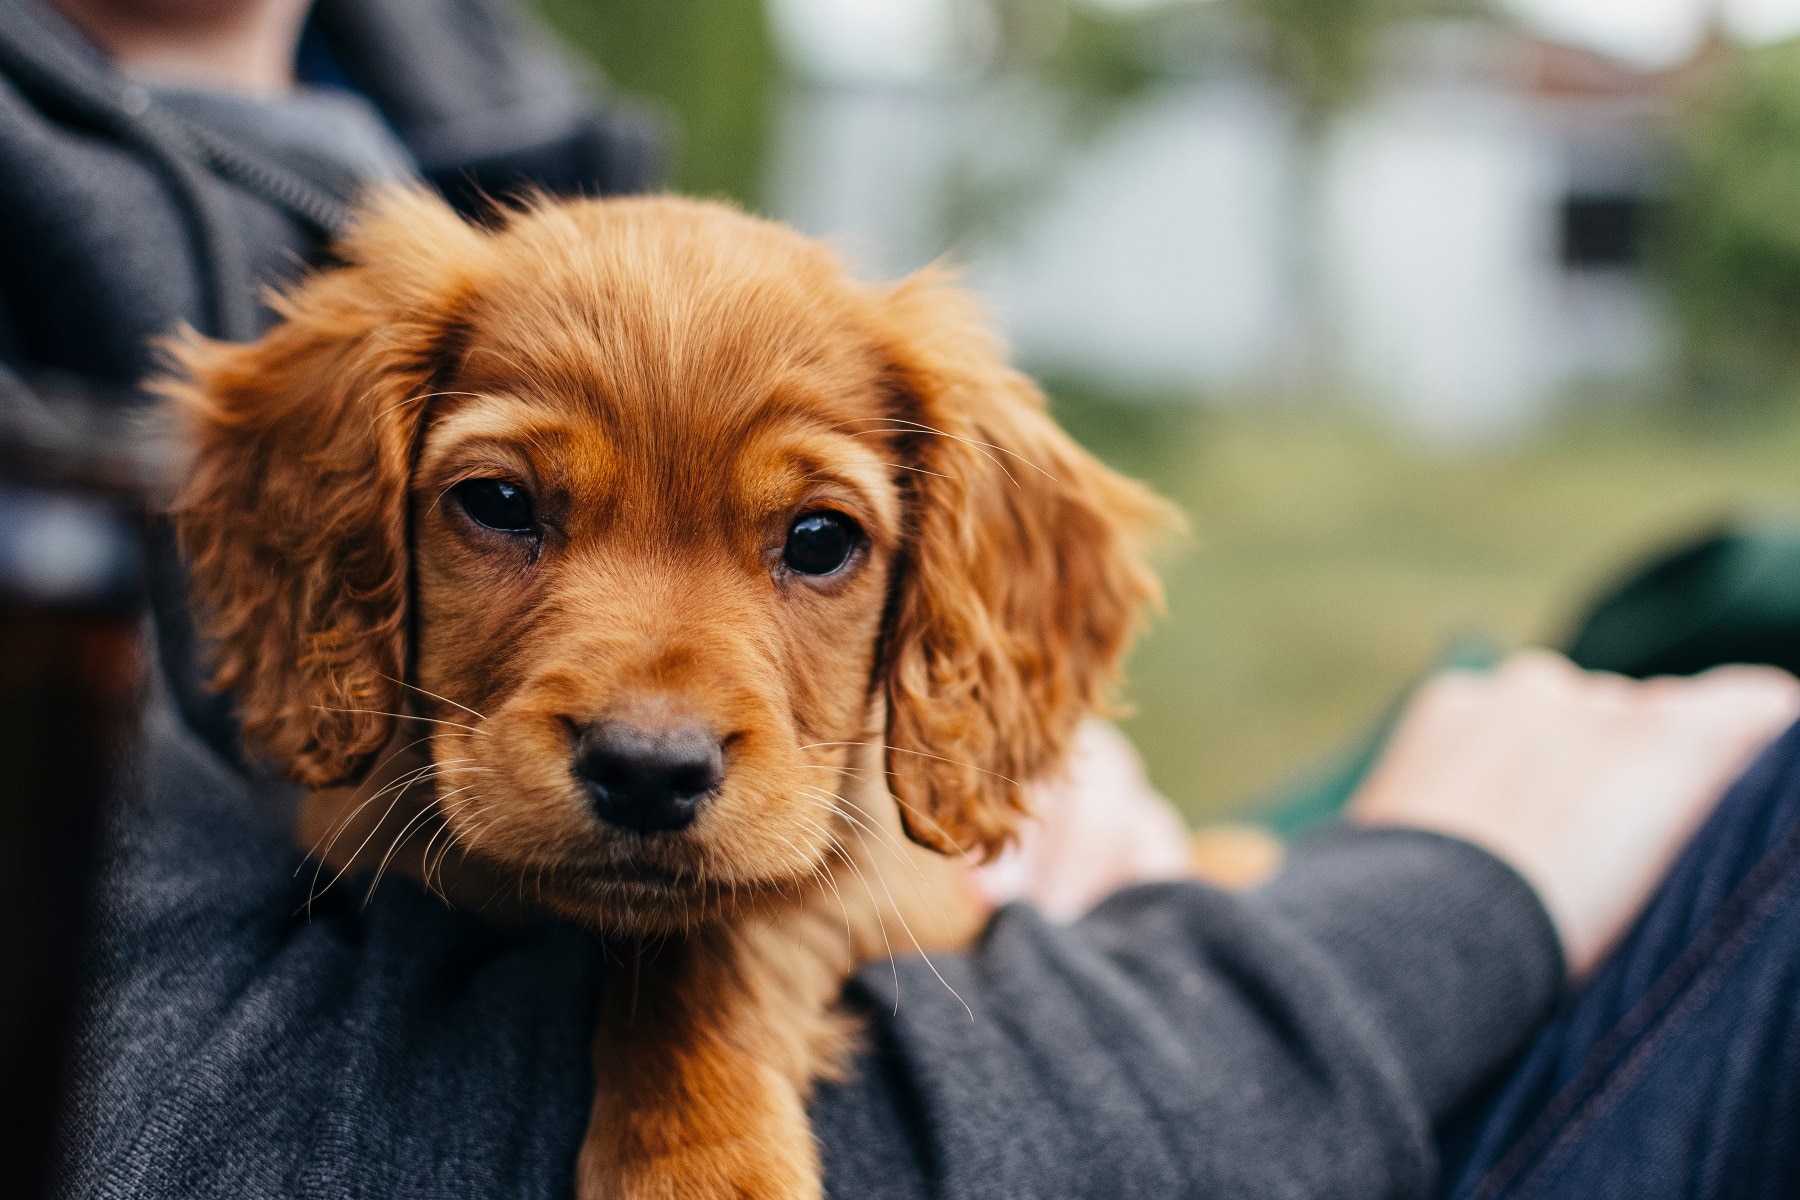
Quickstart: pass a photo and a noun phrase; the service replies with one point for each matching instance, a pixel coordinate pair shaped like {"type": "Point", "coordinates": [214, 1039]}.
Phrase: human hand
{"type": "Point", "coordinates": [1588, 785]}
{"type": "Point", "coordinates": [1099, 827]}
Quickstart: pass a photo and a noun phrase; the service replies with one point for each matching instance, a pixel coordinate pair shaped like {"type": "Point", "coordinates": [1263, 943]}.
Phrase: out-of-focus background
{"type": "Point", "coordinates": [1435, 315]}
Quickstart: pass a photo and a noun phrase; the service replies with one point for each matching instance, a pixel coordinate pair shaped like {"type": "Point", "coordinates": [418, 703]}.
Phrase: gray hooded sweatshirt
{"type": "Point", "coordinates": [1299, 1041]}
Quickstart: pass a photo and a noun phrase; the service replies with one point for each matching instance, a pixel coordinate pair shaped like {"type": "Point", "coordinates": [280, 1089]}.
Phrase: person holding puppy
{"type": "Point", "coordinates": [1333, 1032]}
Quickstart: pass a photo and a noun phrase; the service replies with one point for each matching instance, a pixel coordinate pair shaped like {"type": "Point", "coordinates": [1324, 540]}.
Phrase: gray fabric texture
{"type": "Point", "coordinates": [1298, 1042]}
{"type": "Point", "coordinates": [335, 137]}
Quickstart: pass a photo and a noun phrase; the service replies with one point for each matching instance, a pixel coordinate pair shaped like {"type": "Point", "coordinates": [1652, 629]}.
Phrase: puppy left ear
{"type": "Point", "coordinates": [1022, 578]}
{"type": "Point", "coordinates": [293, 516]}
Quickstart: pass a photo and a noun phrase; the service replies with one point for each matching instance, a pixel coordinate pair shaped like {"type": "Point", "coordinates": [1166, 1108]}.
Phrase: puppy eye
{"type": "Point", "coordinates": [496, 504]}
{"type": "Point", "coordinates": [820, 543]}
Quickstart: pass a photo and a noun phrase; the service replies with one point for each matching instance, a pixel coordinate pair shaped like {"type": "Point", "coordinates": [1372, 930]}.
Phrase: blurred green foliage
{"type": "Point", "coordinates": [1097, 65]}
{"type": "Point", "coordinates": [1727, 239]}
{"type": "Point", "coordinates": [709, 63]}
{"type": "Point", "coordinates": [1325, 50]}
{"type": "Point", "coordinates": [1102, 58]}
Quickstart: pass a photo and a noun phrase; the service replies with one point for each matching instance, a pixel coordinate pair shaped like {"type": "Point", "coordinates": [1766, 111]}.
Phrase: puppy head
{"type": "Point", "coordinates": [657, 518]}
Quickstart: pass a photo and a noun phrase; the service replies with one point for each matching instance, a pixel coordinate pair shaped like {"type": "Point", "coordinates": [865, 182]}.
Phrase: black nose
{"type": "Point", "coordinates": [648, 780]}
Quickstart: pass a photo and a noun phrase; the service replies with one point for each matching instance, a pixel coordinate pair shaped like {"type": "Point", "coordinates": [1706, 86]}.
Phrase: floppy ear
{"type": "Point", "coordinates": [293, 516]}
{"type": "Point", "coordinates": [1021, 582]}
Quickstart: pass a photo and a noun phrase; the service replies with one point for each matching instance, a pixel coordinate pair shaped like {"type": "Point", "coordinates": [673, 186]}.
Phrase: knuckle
{"type": "Point", "coordinates": [1538, 667]}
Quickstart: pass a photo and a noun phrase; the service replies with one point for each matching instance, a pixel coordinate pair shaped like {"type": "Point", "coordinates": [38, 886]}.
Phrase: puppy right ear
{"type": "Point", "coordinates": [1023, 576]}
{"type": "Point", "coordinates": [293, 516]}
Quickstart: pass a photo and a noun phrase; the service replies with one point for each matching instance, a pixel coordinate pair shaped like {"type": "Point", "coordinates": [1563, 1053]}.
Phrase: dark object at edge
{"type": "Point", "coordinates": [71, 567]}
{"type": "Point", "coordinates": [1731, 596]}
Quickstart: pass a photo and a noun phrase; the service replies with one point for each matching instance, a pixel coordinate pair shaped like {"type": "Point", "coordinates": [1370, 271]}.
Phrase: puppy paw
{"type": "Point", "coordinates": [703, 1175]}
{"type": "Point", "coordinates": [755, 1144]}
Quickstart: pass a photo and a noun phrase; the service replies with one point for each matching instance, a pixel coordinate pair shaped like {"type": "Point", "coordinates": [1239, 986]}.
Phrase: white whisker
{"type": "Point", "coordinates": [377, 712]}
{"type": "Point", "coordinates": [874, 904]}
{"type": "Point", "coordinates": [868, 825]}
{"type": "Point", "coordinates": [444, 699]}
{"type": "Point", "coordinates": [900, 915]}
{"type": "Point", "coordinates": [968, 766]}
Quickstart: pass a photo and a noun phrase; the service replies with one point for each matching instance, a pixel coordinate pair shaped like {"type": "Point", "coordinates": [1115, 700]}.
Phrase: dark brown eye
{"type": "Point", "coordinates": [496, 504]}
{"type": "Point", "coordinates": [820, 543]}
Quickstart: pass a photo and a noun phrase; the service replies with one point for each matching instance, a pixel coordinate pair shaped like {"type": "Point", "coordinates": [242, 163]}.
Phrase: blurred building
{"type": "Point", "coordinates": [1462, 252]}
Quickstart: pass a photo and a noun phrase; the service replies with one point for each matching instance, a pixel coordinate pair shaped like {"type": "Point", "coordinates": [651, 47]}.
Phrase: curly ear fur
{"type": "Point", "coordinates": [294, 515]}
{"type": "Point", "coordinates": [1023, 579]}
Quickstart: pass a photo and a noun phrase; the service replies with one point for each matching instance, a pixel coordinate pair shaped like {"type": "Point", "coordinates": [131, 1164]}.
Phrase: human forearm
{"type": "Point", "coordinates": [1180, 1041]}
{"type": "Point", "coordinates": [1587, 784]}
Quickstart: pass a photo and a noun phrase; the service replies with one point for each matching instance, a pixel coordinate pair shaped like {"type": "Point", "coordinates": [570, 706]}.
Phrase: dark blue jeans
{"type": "Point", "coordinates": [1675, 1072]}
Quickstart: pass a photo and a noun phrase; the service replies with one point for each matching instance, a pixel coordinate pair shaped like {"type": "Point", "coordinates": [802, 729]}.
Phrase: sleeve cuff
{"type": "Point", "coordinates": [1449, 951]}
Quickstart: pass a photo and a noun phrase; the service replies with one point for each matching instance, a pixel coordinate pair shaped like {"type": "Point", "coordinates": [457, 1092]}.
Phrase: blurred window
{"type": "Point", "coordinates": [1601, 230]}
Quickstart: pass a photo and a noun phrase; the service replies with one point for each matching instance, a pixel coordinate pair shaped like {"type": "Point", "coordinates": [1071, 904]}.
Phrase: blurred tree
{"type": "Point", "coordinates": [709, 62]}
{"type": "Point", "coordinates": [1727, 239]}
{"type": "Point", "coordinates": [1323, 53]}
{"type": "Point", "coordinates": [1104, 59]}
{"type": "Point", "coordinates": [1059, 68]}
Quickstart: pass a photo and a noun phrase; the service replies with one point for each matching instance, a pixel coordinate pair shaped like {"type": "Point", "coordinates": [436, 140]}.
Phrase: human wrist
{"type": "Point", "coordinates": [1449, 949]}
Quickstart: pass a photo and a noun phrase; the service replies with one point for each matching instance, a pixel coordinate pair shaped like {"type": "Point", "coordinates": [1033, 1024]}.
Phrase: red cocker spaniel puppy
{"type": "Point", "coordinates": [697, 571]}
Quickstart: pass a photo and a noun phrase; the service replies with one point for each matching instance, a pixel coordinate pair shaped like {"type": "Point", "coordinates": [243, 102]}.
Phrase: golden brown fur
{"type": "Point", "coordinates": [672, 383]}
